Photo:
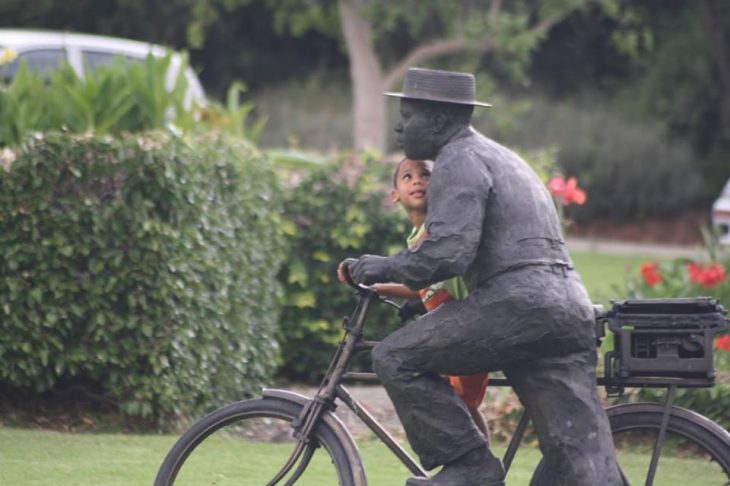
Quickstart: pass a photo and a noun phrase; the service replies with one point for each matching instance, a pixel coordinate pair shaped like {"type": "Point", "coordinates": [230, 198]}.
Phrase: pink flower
{"type": "Point", "coordinates": [567, 192]}
{"type": "Point", "coordinates": [708, 277]}
{"type": "Point", "coordinates": [650, 272]}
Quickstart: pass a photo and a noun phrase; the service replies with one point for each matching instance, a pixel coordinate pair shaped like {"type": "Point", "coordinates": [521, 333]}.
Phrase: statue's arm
{"type": "Point", "coordinates": [457, 198]}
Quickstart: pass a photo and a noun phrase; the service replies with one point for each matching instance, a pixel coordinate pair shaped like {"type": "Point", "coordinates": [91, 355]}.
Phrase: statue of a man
{"type": "Point", "coordinates": [491, 220]}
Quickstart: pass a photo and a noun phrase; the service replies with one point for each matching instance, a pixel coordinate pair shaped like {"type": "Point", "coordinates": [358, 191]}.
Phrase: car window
{"type": "Point", "coordinates": [94, 59]}
{"type": "Point", "coordinates": [40, 61]}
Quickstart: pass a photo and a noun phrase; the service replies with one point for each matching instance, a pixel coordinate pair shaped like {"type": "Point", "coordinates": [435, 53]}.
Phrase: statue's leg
{"type": "Point", "coordinates": [561, 397]}
{"type": "Point", "coordinates": [436, 421]}
{"type": "Point", "coordinates": [454, 339]}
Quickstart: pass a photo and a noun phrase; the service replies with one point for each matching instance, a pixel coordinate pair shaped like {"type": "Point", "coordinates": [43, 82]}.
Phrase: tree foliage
{"type": "Point", "coordinates": [508, 32]}
{"type": "Point", "coordinates": [172, 22]}
{"type": "Point", "coordinates": [683, 80]}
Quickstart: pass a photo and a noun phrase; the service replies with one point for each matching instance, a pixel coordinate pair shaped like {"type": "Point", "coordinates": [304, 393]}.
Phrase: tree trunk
{"type": "Point", "coordinates": [717, 38]}
{"type": "Point", "coordinates": [369, 117]}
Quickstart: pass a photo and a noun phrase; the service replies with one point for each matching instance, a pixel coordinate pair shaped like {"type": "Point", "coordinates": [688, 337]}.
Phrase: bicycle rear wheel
{"type": "Point", "coordinates": [248, 442]}
{"type": "Point", "coordinates": [695, 450]}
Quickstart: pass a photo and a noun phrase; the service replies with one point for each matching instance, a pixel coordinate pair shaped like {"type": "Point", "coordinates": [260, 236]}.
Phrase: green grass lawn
{"type": "Point", "coordinates": [605, 275]}
{"type": "Point", "coordinates": [30, 457]}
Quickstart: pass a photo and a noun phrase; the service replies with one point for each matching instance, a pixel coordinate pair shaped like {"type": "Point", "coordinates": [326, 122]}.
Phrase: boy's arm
{"type": "Point", "coordinates": [395, 290]}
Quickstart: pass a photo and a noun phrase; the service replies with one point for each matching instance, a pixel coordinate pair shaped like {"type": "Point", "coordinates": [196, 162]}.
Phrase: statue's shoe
{"type": "Point", "coordinates": [475, 468]}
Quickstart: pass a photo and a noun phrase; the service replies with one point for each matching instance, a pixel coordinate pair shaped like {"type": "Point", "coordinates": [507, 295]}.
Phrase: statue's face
{"type": "Point", "coordinates": [414, 131]}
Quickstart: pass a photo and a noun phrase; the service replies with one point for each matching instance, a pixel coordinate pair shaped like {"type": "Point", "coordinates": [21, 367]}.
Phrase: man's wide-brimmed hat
{"type": "Point", "coordinates": [441, 86]}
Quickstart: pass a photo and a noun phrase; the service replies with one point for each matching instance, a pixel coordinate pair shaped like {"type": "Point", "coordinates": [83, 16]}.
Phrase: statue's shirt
{"type": "Point", "coordinates": [488, 213]}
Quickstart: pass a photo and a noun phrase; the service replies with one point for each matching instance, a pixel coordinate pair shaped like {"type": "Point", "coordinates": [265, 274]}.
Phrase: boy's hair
{"type": "Point", "coordinates": [427, 163]}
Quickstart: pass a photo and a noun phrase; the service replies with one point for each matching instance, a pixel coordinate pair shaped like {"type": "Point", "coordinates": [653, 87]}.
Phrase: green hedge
{"type": "Point", "coordinates": [332, 215]}
{"type": "Point", "coordinates": [145, 264]}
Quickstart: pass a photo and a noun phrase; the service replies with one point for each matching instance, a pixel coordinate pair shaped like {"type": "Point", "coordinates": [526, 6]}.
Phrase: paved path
{"type": "Point", "coordinates": [615, 247]}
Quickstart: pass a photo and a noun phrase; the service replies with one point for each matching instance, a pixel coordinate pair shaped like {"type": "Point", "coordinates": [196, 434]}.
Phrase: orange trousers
{"type": "Point", "coordinates": [471, 388]}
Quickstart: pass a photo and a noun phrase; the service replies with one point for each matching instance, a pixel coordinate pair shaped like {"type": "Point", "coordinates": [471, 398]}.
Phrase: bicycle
{"type": "Point", "coordinates": [309, 424]}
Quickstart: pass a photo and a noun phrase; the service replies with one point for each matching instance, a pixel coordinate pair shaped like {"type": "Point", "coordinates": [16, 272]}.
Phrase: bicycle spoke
{"type": "Point", "coordinates": [682, 461]}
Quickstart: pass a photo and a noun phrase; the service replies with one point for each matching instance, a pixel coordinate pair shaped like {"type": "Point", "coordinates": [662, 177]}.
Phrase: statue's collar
{"type": "Point", "coordinates": [462, 133]}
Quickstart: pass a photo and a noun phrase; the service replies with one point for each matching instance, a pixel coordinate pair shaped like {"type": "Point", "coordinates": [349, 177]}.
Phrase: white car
{"type": "Point", "coordinates": [721, 215]}
{"type": "Point", "coordinates": [46, 50]}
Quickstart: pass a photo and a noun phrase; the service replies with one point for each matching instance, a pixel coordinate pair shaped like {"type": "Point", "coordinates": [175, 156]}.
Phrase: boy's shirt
{"type": "Point", "coordinates": [440, 292]}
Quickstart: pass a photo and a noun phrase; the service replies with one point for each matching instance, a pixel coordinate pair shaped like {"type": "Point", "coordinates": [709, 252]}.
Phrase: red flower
{"type": "Point", "coordinates": [567, 192]}
{"type": "Point", "coordinates": [708, 277]}
{"type": "Point", "coordinates": [723, 342]}
{"type": "Point", "coordinates": [650, 272]}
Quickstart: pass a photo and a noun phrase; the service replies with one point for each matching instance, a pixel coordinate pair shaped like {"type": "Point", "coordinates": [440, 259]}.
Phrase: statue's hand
{"type": "Point", "coordinates": [370, 269]}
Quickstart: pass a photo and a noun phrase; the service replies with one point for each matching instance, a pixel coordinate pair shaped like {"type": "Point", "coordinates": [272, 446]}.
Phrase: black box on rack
{"type": "Point", "coordinates": [670, 338]}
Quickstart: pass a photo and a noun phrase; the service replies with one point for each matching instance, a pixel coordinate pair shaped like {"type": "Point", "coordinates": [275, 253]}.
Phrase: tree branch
{"type": "Point", "coordinates": [716, 37]}
{"type": "Point", "coordinates": [543, 27]}
{"type": "Point", "coordinates": [494, 9]}
{"type": "Point", "coordinates": [437, 48]}
{"type": "Point", "coordinates": [443, 47]}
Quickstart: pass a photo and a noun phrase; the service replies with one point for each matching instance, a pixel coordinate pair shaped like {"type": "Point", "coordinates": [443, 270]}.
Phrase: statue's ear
{"type": "Point", "coordinates": [438, 122]}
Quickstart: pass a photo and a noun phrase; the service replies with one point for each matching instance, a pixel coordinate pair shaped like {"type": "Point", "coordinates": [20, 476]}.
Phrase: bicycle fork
{"type": "Point", "coordinates": [323, 401]}
{"type": "Point", "coordinates": [306, 444]}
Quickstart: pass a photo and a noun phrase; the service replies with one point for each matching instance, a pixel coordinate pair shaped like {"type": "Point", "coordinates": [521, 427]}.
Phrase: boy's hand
{"type": "Point", "coordinates": [370, 269]}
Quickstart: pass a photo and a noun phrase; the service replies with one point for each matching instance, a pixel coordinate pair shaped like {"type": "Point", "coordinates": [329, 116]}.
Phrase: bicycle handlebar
{"type": "Point", "coordinates": [362, 289]}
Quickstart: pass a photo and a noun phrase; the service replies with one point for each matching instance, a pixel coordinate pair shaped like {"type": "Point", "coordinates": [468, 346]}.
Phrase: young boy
{"type": "Point", "coordinates": [410, 184]}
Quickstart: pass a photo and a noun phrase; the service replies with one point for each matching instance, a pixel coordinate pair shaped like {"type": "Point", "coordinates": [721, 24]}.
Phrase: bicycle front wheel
{"type": "Point", "coordinates": [696, 451]}
{"type": "Point", "coordinates": [248, 442]}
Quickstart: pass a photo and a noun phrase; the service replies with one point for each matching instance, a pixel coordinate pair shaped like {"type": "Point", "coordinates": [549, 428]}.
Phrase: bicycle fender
{"type": "Point", "coordinates": [684, 413]}
{"type": "Point", "coordinates": [332, 420]}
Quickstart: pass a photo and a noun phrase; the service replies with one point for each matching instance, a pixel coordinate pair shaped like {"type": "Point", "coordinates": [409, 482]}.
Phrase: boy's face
{"type": "Point", "coordinates": [411, 185]}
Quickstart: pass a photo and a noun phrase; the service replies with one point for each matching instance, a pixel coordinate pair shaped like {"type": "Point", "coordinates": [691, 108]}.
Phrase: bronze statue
{"type": "Point", "coordinates": [492, 221]}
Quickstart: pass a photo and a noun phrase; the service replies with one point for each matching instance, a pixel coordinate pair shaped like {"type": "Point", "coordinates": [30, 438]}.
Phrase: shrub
{"type": "Point", "coordinates": [630, 170]}
{"type": "Point", "coordinates": [631, 173]}
{"type": "Point", "coordinates": [329, 219]}
{"type": "Point", "coordinates": [143, 264]}
{"type": "Point", "coordinates": [113, 99]}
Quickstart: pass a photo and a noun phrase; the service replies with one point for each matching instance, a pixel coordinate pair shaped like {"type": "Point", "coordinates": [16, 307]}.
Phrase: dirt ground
{"type": "Point", "coordinates": [499, 408]}
{"type": "Point", "coordinates": [680, 229]}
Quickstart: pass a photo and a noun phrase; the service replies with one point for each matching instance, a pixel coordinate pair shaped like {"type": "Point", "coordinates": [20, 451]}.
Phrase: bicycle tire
{"type": "Point", "coordinates": [241, 421]}
{"type": "Point", "coordinates": [695, 437]}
